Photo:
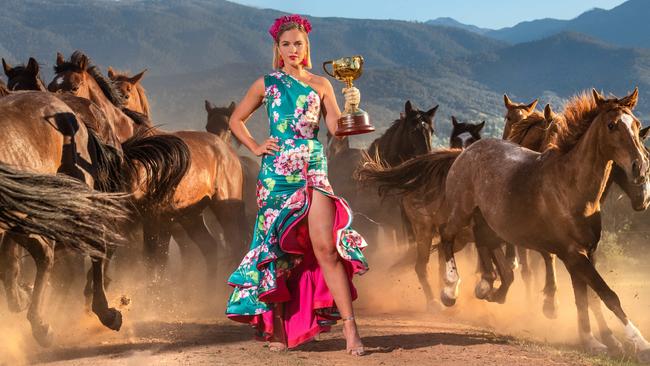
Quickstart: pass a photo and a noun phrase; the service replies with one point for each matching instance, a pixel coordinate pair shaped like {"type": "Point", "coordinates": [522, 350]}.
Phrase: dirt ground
{"type": "Point", "coordinates": [184, 326]}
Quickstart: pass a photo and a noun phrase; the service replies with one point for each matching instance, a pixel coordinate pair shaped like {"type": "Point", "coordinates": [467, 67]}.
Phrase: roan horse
{"type": "Point", "coordinates": [498, 184]}
{"type": "Point", "coordinates": [41, 134]}
{"type": "Point", "coordinates": [214, 159]}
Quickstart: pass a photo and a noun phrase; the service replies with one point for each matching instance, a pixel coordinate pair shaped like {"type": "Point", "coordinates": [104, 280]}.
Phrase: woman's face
{"type": "Point", "coordinates": [293, 47]}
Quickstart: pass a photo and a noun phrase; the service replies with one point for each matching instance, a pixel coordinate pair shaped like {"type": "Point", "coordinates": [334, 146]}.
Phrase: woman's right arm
{"type": "Point", "coordinates": [252, 100]}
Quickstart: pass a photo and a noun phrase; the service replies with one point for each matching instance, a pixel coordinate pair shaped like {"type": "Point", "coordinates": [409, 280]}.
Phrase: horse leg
{"type": "Point", "coordinates": [589, 342]}
{"type": "Point", "coordinates": [89, 289]}
{"type": "Point", "coordinates": [550, 288]}
{"type": "Point", "coordinates": [449, 272]}
{"type": "Point", "coordinates": [488, 274]}
{"type": "Point", "coordinates": [504, 270]}
{"type": "Point", "coordinates": [42, 252]}
{"type": "Point", "coordinates": [110, 317]}
{"type": "Point", "coordinates": [156, 249]}
{"type": "Point", "coordinates": [582, 266]}
{"type": "Point", "coordinates": [195, 227]}
{"type": "Point", "coordinates": [231, 216]}
{"type": "Point", "coordinates": [511, 256]}
{"type": "Point", "coordinates": [526, 272]}
{"type": "Point", "coordinates": [614, 346]}
{"type": "Point", "coordinates": [17, 296]}
{"type": "Point", "coordinates": [423, 235]}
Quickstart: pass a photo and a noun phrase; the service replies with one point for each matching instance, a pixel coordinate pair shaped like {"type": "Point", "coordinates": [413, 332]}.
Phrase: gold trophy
{"type": "Point", "coordinates": [354, 120]}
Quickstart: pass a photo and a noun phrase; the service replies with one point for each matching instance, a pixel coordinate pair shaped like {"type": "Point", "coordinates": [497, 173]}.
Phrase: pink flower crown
{"type": "Point", "coordinates": [293, 18]}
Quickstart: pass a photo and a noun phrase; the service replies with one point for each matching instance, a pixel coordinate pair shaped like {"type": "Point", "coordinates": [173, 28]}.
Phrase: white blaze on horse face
{"type": "Point", "coordinates": [464, 137]}
{"type": "Point", "coordinates": [59, 80]}
{"type": "Point", "coordinates": [628, 121]}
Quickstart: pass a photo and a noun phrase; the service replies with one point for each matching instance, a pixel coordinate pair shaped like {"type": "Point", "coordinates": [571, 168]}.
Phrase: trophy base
{"type": "Point", "coordinates": [354, 124]}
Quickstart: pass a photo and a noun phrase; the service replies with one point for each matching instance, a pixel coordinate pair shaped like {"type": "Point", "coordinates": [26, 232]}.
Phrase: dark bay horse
{"type": "Point", "coordinates": [464, 134]}
{"type": "Point", "coordinates": [408, 136]}
{"type": "Point", "coordinates": [41, 134]}
{"type": "Point", "coordinates": [218, 118]}
{"type": "Point", "coordinates": [497, 184]}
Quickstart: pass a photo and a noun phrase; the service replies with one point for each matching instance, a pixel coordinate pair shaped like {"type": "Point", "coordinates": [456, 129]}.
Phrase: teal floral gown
{"type": "Point", "coordinates": [280, 266]}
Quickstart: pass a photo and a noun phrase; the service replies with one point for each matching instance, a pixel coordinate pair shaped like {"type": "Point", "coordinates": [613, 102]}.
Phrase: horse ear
{"type": "Point", "coordinates": [136, 79]}
{"type": "Point", "coordinates": [59, 59]}
{"type": "Point", "coordinates": [598, 98]}
{"type": "Point", "coordinates": [432, 112]}
{"type": "Point", "coordinates": [208, 106]}
{"type": "Point", "coordinates": [479, 127]}
{"type": "Point", "coordinates": [454, 121]}
{"type": "Point", "coordinates": [111, 73]}
{"type": "Point", "coordinates": [408, 108]}
{"type": "Point", "coordinates": [232, 106]}
{"type": "Point", "coordinates": [32, 66]}
{"type": "Point", "coordinates": [631, 100]}
{"type": "Point", "coordinates": [531, 107]}
{"type": "Point", "coordinates": [508, 103]}
{"type": "Point", "coordinates": [83, 62]}
{"type": "Point", "coordinates": [6, 67]}
{"type": "Point", "coordinates": [644, 132]}
{"type": "Point", "coordinates": [549, 115]}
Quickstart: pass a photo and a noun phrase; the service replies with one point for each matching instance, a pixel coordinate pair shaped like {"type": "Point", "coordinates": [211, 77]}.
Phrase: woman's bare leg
{"type": "Point", "coordinates": [321, 222]}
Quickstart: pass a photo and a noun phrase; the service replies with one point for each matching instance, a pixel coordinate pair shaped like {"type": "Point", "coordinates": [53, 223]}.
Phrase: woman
{"type": "Point", "coordinates": [295, 281]}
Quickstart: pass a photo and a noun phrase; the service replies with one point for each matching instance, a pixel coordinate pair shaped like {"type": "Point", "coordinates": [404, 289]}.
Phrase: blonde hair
{"type": "Point", "coordinates": [277, 59]}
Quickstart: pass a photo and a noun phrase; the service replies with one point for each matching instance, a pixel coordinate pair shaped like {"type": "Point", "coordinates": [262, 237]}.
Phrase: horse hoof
{"type": "Point", "coordinates": [113, 320]}
{"type": "Point", "coordinates": [43, 335]}
{"type": "Point", "coordinates": [614, 346]}
{"type": "Point", "coordinates": [447, 300]}
{"type": "Point", "coordinates": [482, 289]}
{"type": "Point", "coordinates": [593, 347]}
{"type": "Point", "coordinates": [550, 309]}
{"type": "Point", "coordinates": [643, 356]}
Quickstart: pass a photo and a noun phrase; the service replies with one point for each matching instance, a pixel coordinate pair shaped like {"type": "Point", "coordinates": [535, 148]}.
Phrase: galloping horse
{"type": "Point", "coordinates": [498, 184]}
{"type": "Point", "coordinates": [213, 179]}
{"type": "Point", "coordinates": [464, 134]}
{"type": "Point", "coordinates": [41, 134]}
{"type": "Point", "coordinates": [132, 90]}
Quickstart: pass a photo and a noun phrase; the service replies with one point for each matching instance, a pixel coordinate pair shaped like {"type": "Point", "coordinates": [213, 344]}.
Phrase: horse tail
{"type": "Point", "coordinates": [60, 208]}
{"type": "Point", "coordinates": [109, 162]}
{"type": "Point", "coordinates": [424, 173]}
{"type": "Point", "coordinates": [165, 160]}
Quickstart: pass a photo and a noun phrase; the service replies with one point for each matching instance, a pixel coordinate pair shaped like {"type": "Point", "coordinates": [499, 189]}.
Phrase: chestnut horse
{"type": "Point", "coordinates": [41, 134]}
{"type": "Point", "coordinates": [213, 178]}
{"type": "Point", "coordinates": [132, 89]}
{"type": "Point", "coordinates": [498, 184]}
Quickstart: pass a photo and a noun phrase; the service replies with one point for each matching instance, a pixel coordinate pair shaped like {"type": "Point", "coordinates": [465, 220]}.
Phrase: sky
{"type": "Point", "coordinates": [492, 14]}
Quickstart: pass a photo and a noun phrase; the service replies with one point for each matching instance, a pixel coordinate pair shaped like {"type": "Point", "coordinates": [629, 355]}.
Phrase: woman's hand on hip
{"type": "Point", "coordinates": [269, 146]}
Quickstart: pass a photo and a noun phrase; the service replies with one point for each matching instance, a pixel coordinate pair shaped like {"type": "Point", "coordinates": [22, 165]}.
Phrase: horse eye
{"type": "Point", "coordinates": [610, 125]}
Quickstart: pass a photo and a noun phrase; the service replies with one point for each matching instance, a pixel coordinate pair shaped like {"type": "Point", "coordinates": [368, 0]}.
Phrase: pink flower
{"type": "Point", "coordinates": [262, 194]}
{"type": "Point", "coordinates": [274, 30]}
{"type": "Point", "coordinates": [269, 217]}
{"type": "Point", "coordinates": [290, 161]}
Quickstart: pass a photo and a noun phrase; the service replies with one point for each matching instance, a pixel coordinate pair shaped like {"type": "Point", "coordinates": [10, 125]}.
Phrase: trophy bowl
{"type": "Point", "coordinates": [354, 120]}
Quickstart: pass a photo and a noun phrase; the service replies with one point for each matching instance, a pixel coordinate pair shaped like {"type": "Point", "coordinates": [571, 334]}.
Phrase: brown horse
{"type": "Point", "coordinates": [213, 178]}
{"type": "Point", "coordinates": [498, 184]}
{"type": "Point", "coordinates": [82, 79]}
{"type": "Point", "coordinates": [132, 89]}
{"type": "Point", "coordinates": [423, 212]}
{"type": "Point", "coordinates": [464, 134]}
{"type": "Point", "coordinates": [42, 134]}
{"type": "Point", "coordinates": [408, 136]}
{"type": "Point", "coordinates": [27, 77]}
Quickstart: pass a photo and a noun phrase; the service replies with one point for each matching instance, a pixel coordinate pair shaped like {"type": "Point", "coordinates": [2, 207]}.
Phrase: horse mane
{"type": "Point", "coordinates": [519, 130]}
{"type": "Point", "coordinates": [142, 93]}
{"type": "Point", "coordinates": [138, 118]}
{"type": "Point", "coordinates": [111, 91]}
{"type": "Point", "coordinates": [387, 137]}
{"type": "Point", "coordinates": [574, 121]}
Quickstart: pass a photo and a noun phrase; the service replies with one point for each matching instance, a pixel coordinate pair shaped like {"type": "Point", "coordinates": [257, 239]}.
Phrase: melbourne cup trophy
{"type": "Point", "coordinates": [354, 120]}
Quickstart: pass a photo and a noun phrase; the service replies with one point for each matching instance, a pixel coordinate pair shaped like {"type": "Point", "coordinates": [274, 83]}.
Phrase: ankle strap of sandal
{"type": "Point", "coordinates": [348, 318]}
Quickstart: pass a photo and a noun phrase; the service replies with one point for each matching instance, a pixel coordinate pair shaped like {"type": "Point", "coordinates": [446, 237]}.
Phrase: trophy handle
{"type": "Point", "coordinates": [325, 68]}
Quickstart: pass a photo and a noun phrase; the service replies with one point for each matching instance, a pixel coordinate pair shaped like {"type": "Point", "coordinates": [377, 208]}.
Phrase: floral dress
{"type": "Point", "coordinates": [280, 266]}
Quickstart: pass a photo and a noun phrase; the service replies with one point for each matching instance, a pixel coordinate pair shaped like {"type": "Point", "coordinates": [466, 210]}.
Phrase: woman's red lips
{"type": "Point", "coordinates": [293, 57]}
